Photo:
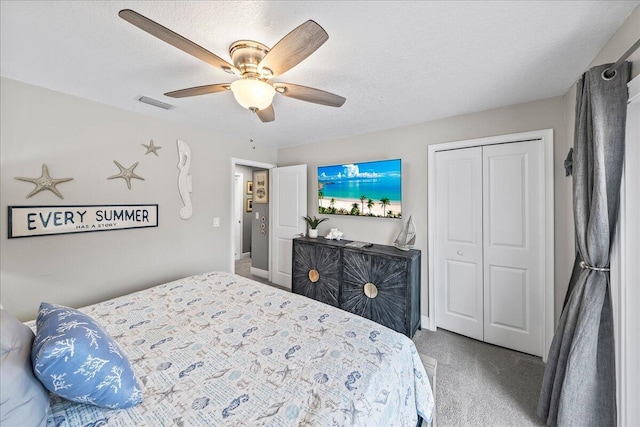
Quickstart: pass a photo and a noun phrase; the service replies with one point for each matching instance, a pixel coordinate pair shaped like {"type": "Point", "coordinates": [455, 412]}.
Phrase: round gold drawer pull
{"type": "Point", "coordinates": [314, 276]}
{"type": "Point", "coordinates": [370, 290]}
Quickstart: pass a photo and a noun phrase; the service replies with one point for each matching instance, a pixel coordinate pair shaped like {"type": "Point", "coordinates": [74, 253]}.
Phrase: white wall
{"type": "Point", "coordinates": [410, 144]}
{"type": "Point", "coordinates": [80, 139]}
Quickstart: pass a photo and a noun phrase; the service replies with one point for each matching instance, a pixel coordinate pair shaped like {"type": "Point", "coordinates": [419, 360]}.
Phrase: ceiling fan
{"type": "Point", "coordinates": [254, 62]}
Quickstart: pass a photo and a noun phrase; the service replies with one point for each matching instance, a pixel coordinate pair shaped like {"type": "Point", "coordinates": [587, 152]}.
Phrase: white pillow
{"type": "Point", "coordinates": [23, 399]}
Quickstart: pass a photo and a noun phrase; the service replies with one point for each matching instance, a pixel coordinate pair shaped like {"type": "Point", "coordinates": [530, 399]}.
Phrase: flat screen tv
{"type": "Point", "coordinates": [361, 189]}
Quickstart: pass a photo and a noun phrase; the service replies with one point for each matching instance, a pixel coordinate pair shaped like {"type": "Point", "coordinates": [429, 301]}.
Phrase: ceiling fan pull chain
{"type": "Point", "coordinates": [252, 118]}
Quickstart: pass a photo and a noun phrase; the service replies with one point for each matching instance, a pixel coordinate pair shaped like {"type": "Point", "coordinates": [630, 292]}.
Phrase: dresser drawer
{"type": "Point", "coordinates": [375, 287]}
{"type": "Point", "coordinates": [316, 272]}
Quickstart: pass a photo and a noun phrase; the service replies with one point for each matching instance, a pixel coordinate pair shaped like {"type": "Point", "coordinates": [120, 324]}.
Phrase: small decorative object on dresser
{"type": "Point", "coordinates": [334, 234]}
{"type": "Point", "coordinates": [377, 282]}
{"type": "Point", "coordinates": [313, 224]}
{"type": "Point", "coordinates": [407, 236]}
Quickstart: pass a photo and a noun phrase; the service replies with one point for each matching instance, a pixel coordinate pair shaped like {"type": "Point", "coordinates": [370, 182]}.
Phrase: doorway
{"type": "Point", "coordinates": [240, 249]}
{"type": "Point", "coordinates": [243, 213]}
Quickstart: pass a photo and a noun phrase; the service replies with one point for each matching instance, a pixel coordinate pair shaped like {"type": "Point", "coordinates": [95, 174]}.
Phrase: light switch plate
{"type": "Point", "coordinates": [216, 222]}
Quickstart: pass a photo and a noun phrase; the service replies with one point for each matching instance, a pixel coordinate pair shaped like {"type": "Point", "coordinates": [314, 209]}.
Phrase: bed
{"type": "Point", "coordinates": [218, 349]}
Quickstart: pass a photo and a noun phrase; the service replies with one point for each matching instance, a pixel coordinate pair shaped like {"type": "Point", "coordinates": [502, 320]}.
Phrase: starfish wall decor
{"type": "Point", "coordinates": [151, 148]}
{"type": "Point", "coordinates": [126, 173]}
{"type": "Point", "coordinates": [45, 182]}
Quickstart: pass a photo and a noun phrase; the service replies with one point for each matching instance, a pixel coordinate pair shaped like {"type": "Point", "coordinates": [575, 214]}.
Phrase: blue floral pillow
{"type": "Point", "coordinates": [75, 358]}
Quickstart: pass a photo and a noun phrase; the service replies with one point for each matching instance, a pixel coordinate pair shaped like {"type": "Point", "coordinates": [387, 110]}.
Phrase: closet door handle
{"type": "Point", "coordinates": [460, 253]}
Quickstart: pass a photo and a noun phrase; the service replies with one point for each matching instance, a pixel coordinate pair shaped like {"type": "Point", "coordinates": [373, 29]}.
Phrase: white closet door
{"type": "Point", "coordinates": [459, 241]}
{"type": "Point", "coordinates": [513, 211]}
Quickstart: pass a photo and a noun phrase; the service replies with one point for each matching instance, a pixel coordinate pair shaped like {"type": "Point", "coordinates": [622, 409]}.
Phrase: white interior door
{"type": "Point", "coordinates": [458, 249]}
{"type": "Point", "coordinates": [238, 215]}
{"type": "Point", "coordinates": [289, 205]}
{"type": "Point", "coordinates": [514, 225]}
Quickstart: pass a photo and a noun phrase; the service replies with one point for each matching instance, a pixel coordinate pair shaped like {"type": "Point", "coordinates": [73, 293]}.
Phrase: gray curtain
{"type": "Point", "coordinates": [579, 385]}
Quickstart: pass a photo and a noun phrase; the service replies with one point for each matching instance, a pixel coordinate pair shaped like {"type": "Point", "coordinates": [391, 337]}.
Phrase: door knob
{"type": "Point", "coordinates": [460, 253]}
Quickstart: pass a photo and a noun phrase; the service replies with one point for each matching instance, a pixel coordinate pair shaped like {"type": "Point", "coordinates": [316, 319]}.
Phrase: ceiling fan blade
{"type": "Point", "coordinates": [199, 90]}
{"type": "Point", "coordinates": [266, 114]}
{"type": "Point", "coordinates": [176, 40]}
{"type": "Point", "coordinates": [309, 94]}
{"type": "Point", "coordinates": [294, 48]}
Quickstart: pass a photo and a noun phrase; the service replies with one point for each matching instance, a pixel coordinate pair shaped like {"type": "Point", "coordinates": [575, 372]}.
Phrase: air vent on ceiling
{"type": "Point", "coordinates": [156, 103]}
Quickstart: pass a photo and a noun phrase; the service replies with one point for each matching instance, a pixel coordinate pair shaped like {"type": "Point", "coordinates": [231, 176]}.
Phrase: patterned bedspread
{"type": "Point", "coordinates": [221, 350]}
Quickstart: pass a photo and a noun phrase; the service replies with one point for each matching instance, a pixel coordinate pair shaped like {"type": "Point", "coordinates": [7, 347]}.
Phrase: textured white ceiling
{"type": "Point", "coordinates": [397, 63]}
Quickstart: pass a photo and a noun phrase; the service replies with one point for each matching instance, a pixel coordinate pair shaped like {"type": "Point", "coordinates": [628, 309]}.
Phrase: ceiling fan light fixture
{"type": "Point", "coordinates": [253, 93]}
{"type": "Point", "coordinates": [254, 62]}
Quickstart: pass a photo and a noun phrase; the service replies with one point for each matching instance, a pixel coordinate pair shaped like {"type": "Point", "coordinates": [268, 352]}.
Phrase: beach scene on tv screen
{"type": "Point", "coordinates": [361, 189]}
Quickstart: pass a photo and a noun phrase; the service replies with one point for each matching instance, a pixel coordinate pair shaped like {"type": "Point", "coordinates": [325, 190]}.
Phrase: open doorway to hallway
{"type": "Point", "coordinates": [249, 223]}
{"type": "Point", "coordinates": [243, 268]}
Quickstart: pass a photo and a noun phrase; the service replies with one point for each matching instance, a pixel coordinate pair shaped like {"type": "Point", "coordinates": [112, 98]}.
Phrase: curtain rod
{"type": "Point", "coordinates": [610, 72]}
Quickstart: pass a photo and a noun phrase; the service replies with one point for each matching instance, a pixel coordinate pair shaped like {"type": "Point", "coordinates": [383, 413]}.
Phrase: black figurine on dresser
{"type": "Point", "coordinates": [379, 282]}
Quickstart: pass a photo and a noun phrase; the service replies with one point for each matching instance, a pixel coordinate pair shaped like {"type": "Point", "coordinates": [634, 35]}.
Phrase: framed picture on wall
{"type": "Point", "coordinates": [248, 205]}
{"type": "Point", "coordinates": [249, 187]}
{"type": "Point", "coordinates": [261, 187]}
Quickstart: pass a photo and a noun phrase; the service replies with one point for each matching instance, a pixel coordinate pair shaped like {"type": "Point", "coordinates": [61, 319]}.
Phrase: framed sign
{"type": "Point", "coordinates": [249, 187]}
{"type": "Point", "coordinates": [30, 221]}
{"type": "Point", "coordinates": [261, 187]}
{"type": "Point", "coordinates": [248, 205]}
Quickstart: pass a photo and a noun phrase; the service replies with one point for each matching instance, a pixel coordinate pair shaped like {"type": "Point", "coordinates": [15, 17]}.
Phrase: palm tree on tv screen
{"type": "Point", "coordinates": [362, 199]}
{"type": "Point", "coordinates": [384, 202]}
{"type": "Point", "coordinates": [370, 204]}
{"type": "Point", "coordinates": [332, 205]}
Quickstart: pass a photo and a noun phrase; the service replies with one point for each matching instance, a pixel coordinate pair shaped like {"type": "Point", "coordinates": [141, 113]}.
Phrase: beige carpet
{"type": "Point", "coordinates": [480, 384]}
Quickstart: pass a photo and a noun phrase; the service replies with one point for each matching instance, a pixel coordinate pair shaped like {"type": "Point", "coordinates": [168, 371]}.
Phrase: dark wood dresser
{"type": "Point", "coordinates": [380, 282]}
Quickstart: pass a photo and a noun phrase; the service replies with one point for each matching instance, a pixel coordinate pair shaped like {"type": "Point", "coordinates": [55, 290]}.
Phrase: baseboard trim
{"type": "Point", "coordinates": [260, 272]}
{"type": "Point", "coordinates": [424, 322]}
